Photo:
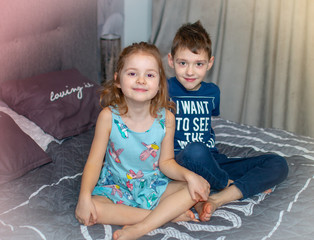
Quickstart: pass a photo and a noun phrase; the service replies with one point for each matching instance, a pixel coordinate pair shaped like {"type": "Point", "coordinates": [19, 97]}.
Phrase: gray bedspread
{"type": "Point", "coordinates": [41, 204]}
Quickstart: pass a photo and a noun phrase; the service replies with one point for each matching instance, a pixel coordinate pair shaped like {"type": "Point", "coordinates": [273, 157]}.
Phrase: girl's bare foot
{"type": "Point", "coordinates": [128, 232]}
{"type": "Point", "coordinates": [135, 232]}
{"type": "Point", "coordinates": [186, 216]}
{"type": "Point", "coordinates": [205, 209]}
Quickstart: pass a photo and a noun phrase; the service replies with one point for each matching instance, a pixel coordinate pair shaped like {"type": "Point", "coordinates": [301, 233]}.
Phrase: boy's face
{"type": "Point", "coordinates": [190, 68]}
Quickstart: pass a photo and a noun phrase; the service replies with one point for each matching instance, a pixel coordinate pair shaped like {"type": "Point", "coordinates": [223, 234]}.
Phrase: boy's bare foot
{"type": "Point", "coordinates": [205, 209]}
{"type": "Point", "coordinates": [268, 191]}
{"type": "Point", "coordinates": [186, 216]}
{"type": "Point", "coordinates": [229, 182]}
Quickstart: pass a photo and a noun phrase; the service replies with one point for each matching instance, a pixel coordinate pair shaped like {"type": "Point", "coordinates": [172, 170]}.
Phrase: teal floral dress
{"type": "Point", "coordinates": [130, 174]}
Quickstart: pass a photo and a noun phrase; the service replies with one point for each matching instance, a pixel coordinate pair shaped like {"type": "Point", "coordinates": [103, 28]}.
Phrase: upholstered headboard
{"type": "Point", "coordinates": [39, 36]}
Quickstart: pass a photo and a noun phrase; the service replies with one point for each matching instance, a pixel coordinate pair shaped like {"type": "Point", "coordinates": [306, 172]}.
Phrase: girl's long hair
{"type": "Point", "coordinates": [111, 95]}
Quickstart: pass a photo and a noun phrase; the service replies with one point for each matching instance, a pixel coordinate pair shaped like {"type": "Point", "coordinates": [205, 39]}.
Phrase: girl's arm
{"type": "Point", "coordinates": [85, 210]}
{"type": "Point", "coordinates": [198, 186]}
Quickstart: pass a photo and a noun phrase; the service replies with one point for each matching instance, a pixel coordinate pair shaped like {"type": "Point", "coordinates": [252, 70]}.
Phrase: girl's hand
{"type": "Point", "coordinates": [85, 212]}
{"type": "Point", "coordinates": [199, 188]}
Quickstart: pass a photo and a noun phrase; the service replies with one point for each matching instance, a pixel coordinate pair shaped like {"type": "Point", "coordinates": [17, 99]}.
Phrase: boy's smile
{"type": "Point", "coordinates": [190, 68]}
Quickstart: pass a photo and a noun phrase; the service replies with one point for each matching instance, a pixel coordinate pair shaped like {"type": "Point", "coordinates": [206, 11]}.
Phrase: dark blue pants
{"type": "Point", "coordinates": [251, 175]}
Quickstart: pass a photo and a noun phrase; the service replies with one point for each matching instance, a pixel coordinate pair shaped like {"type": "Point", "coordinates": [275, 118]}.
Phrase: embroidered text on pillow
{"type": "Point", "coordinates": [78, 89]}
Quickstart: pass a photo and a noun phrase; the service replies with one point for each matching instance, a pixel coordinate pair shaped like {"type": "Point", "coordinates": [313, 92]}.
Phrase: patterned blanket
{"type": "Point", "coordinates": [41, 204]}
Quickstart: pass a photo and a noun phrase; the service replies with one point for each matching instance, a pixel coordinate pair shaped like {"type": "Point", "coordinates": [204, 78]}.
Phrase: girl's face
{"type": "Point", "coordinates": [139, 78]}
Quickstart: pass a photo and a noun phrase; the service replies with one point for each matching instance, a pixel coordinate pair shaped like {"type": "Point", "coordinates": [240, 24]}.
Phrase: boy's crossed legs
{"type": "Point", "coordinates": [251, 175]}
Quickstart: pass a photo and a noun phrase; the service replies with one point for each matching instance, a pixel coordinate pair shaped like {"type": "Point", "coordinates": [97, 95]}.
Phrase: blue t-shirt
{"type": "Point", "coordinates": [193, 113]}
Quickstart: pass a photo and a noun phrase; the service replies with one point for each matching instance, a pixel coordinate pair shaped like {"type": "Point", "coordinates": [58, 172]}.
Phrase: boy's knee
{"type": "Point", "coordinates": [280, 165]}
{"type": "Point", "coordinates": [194, 156]}
{"type": "Point", "coordinates": [284, 166]}
{"type": "Point", "coordinates": [197, 151]}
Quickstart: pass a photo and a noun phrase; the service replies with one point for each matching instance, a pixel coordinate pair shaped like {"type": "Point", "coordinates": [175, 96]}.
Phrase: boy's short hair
{"type": "Point", "coordinates": [194, 37]}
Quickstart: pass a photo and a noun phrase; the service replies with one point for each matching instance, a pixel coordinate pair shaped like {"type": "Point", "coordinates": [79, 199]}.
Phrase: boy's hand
{"type": "Point", "coordinates": [199, 188]}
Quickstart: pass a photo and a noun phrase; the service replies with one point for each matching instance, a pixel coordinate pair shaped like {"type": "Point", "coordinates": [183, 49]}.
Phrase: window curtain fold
{"type": "Point", "coordinates": [264, 56]}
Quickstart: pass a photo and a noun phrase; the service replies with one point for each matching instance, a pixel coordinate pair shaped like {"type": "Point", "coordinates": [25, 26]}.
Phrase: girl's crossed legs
{"type": "Point", "coordinates": [174, 206]}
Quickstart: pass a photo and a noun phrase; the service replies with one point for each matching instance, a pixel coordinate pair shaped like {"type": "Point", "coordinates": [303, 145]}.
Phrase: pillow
{"type": "Point", "coordinates": [3, 104]}
{"type": "Point", "coordinates": [63, 103]}
{"type": "Point", "coordinates": [30, 128]}
{"type": "Point", "coordinates": [18, 152]}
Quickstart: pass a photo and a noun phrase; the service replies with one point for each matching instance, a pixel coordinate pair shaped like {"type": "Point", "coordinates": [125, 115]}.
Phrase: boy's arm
{"type": "Point", "coordinates": [216, 110]}
{"type": "Point", "coordinates": [198, 186]}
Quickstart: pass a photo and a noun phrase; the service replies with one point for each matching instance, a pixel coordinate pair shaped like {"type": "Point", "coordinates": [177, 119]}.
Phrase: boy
{"type": "Point", "coordinates": [196, 101]}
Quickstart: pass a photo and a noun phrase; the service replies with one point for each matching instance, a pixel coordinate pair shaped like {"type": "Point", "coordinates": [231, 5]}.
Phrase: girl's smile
{"type": "Point", "coordinates": [140, 89]}
{"type": "Point", "coordinates": [139, 78]}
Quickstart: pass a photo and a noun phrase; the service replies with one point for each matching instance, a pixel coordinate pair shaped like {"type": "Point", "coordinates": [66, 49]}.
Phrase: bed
{"type": "Point", "coordinates": [41, 203]}
{"type": "Point", "coordinates": [48, 110]}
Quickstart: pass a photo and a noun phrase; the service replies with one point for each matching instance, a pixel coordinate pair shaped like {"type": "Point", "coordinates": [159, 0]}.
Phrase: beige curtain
{"type": "Point", "coordinates": [264, 56]}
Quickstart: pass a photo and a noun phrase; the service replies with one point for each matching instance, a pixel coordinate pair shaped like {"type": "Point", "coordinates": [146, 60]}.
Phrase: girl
{"type": "Point", "coordinates": [135, 132]}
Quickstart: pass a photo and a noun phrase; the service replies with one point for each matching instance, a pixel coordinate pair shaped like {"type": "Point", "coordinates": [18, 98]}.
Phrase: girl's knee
{"type": "Point", "coordinates": [175, 185]}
